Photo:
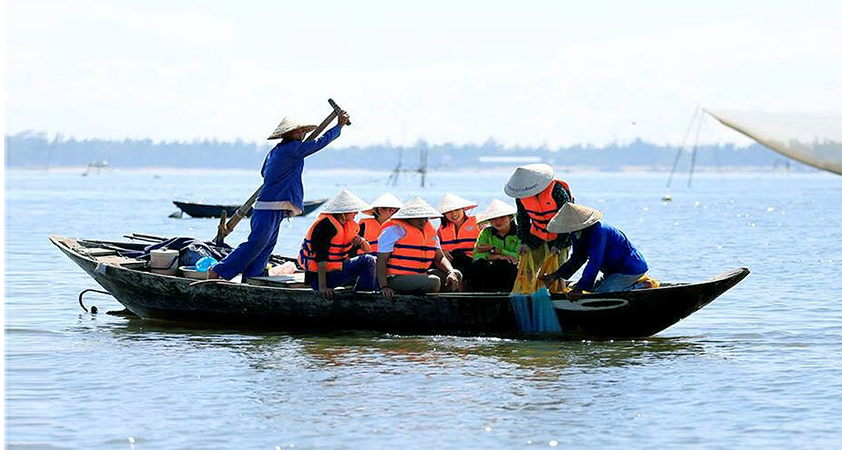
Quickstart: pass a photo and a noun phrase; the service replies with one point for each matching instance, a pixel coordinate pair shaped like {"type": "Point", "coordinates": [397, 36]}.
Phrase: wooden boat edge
{"type": "Point", "coordinates": [161, 283]}
{"type": "Point", "coordinates": [62, 243]}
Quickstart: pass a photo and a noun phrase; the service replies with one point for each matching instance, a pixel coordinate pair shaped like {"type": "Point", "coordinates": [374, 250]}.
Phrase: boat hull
{"type": "Point", "coordinates": [155, 296]}
{"type": "Point", "coordinates": [642, 312]}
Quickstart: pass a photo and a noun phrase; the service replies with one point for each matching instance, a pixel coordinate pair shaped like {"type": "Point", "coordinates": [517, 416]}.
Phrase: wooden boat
{"type": "Point", "coordinates": [201, 210]}
{"type": "Point", "coordinates": [288, 305]}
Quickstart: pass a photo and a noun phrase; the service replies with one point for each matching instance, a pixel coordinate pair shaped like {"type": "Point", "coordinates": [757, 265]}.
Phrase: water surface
{"type": "Point", "coordinates": [760, 366]}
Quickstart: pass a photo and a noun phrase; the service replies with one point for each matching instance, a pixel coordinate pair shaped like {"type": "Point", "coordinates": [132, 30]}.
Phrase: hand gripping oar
{"type": "Point", "coordinates": [226, 226]}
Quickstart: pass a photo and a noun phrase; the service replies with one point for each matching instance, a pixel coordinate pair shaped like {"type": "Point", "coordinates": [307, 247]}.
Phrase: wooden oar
{"type": "Point", "coordinates": [336, 109]}
{"type": "Point", "coordinates": [145, 237]}
{"type": "Point", "coordinates": [227, 226]}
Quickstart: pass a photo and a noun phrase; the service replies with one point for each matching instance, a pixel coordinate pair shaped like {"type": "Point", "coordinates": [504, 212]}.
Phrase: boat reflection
{"type": "Point", "coordinates": [489, 356]}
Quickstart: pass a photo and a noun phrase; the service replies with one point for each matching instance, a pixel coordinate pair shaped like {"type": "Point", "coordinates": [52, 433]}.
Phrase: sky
{"type": "Point", "coordinates": [531, 73]}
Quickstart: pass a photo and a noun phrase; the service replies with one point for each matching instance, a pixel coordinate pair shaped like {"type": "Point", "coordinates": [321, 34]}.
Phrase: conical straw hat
{"type": "Point", "coordinates": [450, 202]}
{"type": "Point", "coordinates": [496, 209]}
{"type": "Point", "coordinates": [288, 125]}
{"type": "Point", "coordinates": [344, 202]}
{"type": "Point", "coordinates": [573, 217]}
{"type": "Point", "coordinates": [386, 200]}
{"type": "Point", "coordinates": [416, 209]}
{"type": "Point", "coordinates": [529, 180]}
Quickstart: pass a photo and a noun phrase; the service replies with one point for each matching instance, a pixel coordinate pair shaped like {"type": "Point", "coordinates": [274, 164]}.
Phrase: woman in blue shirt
{"type": "Point", "coordinates": [605, 248]}
{"type": "Point", "coordinates": [282, 196]}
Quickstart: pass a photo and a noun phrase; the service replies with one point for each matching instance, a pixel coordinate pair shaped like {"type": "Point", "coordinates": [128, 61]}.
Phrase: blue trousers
{"type": "Point", "coordinates": [616, 282]}
{"type": "Point", "coordinates": [361, 268]}
{"type": "Point", "coordinates": [250, 257]}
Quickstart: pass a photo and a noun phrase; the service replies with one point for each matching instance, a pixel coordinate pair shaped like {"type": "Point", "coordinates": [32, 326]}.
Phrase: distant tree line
{"type": "Point", "coordinates": [37, 150]}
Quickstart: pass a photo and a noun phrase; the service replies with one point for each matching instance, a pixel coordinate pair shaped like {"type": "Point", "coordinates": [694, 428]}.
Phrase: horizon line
{"type": "Point", "coordinates": [60, 137]}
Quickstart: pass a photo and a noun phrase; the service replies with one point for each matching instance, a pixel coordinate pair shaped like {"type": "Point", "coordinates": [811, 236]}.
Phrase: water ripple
{"type": "Point", "coordinates": [759, 367]}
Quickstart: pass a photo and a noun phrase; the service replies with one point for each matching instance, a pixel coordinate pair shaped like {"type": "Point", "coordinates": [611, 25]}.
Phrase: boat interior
{"type": "Point", "coordinates": [116, 254]}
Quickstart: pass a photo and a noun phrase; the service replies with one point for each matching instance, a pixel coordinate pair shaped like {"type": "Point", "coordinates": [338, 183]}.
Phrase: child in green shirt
{"type": "Point", "coordinates": [496, 251]}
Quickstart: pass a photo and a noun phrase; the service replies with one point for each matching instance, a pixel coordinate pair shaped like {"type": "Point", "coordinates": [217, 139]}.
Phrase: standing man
{"type": "Point", "coordinates": [539, 196]}
{"type": "Point", "coordinates": [282, 196]}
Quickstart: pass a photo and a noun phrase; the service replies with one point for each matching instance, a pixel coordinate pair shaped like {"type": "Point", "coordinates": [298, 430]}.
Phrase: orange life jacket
{"type": "Point", "coordinates": [340, 245]}
{"type": "Point", "coordinates": [414, 253]}
{"type": "Point", "coordinates": [461, 240]}
{"type": "Point", "coordinates": [541, 208]}
{"type": "Point", "coordinates": [371, 232]}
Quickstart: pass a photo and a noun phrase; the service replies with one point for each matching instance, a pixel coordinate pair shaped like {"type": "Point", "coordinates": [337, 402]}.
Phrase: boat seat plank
{"type": "Point", "coordinates": [129, 263]}
{"type": "Point", "coordinates": [290, 280]}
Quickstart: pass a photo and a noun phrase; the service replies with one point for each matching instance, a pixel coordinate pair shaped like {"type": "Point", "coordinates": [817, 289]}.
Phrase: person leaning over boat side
{"type": "Point", "coordinates": [539, 195]}
{"type": "Point", "coordinates": [325, 252]}
{"type": "Point", "coordinates": [458, 232]}
{"type": "Point", "coordinates": [282, 196]}
{"type": "Point", "coordinates": [381, 209]}
{"type": "Point", "coordinates": [604, 247]}
{"type": "Point", "coordinates": [496, 250]}
{"type": "Point", "coordinates": [407, 250]}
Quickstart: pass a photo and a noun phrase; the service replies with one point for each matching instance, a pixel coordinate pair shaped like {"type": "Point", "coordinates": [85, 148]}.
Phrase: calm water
{"type": "Point", "coordinates": [761, 366]}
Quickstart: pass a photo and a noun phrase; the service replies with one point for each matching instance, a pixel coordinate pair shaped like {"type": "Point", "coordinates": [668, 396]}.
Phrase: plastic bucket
{"type": "Point", "coordinates": [164, 261]}
{"type": "Point", "coordinates": [191, 272]}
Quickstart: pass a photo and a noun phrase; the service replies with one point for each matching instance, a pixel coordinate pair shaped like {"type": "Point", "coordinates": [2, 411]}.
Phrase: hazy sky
{"type": "Point", "coordinates": [523, 73]}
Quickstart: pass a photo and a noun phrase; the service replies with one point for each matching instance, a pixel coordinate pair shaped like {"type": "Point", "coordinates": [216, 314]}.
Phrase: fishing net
{"type": "Point", "coordinates": [531, 300]}
{"type": "Point", "coordinates": [814, 139]}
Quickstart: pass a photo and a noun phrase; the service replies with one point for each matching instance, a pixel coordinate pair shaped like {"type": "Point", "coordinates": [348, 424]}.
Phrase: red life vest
{"type": "Point", "coordinates": [340, 245]}
{"type": "Point", "coordinates": [463, 239]}
{"type": "Point", "coordinates": [371, 232]}
{"type": "Point", "coordinates": [541, 208]}
{"type": "Point", "coordinates": [414, 253]}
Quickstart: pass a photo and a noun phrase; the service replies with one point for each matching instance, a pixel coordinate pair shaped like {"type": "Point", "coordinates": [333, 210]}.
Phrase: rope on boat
{"type": "Point", "coordinates": [93, 308]}
{"type": "Point", "coordinates": [210, 281]}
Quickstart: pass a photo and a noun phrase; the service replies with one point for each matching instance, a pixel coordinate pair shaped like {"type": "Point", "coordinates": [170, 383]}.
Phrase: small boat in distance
{"type": "Point", "coordinates": [201, 210]}
{"type": "Point", "coordinates": [285, 302]}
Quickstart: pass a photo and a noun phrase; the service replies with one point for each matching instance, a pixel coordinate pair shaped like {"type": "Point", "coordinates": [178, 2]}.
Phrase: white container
{"type": "Point", "coordinates": [191, 272]}
{"type": "Point", "coordinates": [164, 262]}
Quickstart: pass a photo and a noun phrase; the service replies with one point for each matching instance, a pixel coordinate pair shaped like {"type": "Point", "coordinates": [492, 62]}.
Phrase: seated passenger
{"type": "Point", "coordinates": [382, 209]}
{"type": "Point", "coordinates": [325, 251]}
{"type": "Point", "coordinates": [604, 247]}
{"type": "Point", "coordinates": [496, 251]}
{"type": "Point", "coordinates": [407, 250]}
{"type": "Point", "coordinates": [458, 232]}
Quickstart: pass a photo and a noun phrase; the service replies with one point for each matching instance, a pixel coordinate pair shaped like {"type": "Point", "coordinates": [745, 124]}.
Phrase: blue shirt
{"type": "Point", "coordinates": [606, 249]}
{"type": "Point", "coordinates": [284, 165]}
